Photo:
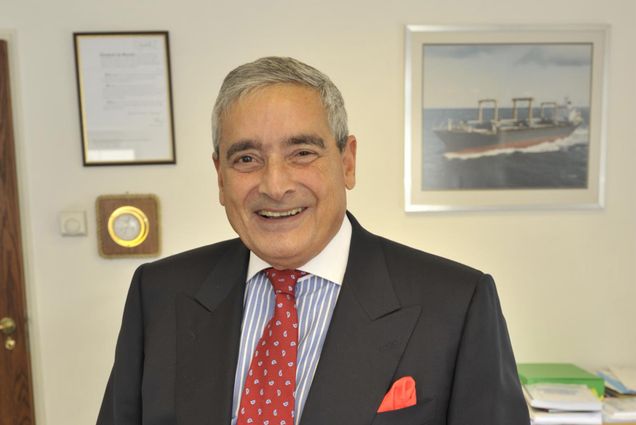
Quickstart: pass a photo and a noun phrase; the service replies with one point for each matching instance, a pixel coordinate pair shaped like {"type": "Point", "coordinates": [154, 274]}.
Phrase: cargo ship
{"type": "Point", "coordinates": [555, 122]}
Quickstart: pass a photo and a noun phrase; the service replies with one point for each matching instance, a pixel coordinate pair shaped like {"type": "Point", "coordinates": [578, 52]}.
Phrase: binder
{"type": "Point", "coordinates": [559, 373]}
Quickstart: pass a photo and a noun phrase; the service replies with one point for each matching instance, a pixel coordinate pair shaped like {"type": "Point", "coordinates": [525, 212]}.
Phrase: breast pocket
{"type": "Point", "coordinates": [423, 413]}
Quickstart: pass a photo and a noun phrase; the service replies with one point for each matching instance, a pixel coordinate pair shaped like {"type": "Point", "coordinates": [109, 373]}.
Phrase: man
{"type": "Point", "coordinates": [362, 330]}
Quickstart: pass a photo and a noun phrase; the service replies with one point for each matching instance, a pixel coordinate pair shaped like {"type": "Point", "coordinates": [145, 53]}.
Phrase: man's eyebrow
{"type": "Point", "coordinates": [241, 145]}
{"type": "Point", "coordinates": [306, 139]}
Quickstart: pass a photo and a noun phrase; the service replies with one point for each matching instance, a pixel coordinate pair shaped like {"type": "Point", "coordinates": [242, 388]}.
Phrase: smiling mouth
{"type": "Point", "coordinates": [280, 214]}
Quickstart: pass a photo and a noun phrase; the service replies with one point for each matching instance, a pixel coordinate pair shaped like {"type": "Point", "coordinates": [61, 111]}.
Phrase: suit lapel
{"type": "Point", "coordinates": [367, 335]}
{"type": "Point", "coordinates": [208, 335]}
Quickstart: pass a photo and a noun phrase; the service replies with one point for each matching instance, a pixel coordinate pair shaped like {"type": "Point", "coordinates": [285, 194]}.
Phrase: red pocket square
{"type": "Point", "coordinates": [401, 395]}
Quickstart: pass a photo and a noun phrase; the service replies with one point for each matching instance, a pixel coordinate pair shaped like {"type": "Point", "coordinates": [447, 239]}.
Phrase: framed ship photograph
{"type": "Point", "coordinates": [125, 97]}
{"type": "Point", "coordinates": [504, 118]}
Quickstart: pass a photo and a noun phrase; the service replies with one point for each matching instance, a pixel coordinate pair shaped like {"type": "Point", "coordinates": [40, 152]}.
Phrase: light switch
{"type": "Point", "coordinates": [73, 223]}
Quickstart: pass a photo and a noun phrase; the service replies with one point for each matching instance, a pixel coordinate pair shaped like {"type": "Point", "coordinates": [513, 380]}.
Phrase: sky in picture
{"type": "Point", "coordinates": [458, 75]}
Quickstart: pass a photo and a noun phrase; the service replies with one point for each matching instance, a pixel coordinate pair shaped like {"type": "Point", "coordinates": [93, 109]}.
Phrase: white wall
{"type": "Point", "coordinates": [566, 278]}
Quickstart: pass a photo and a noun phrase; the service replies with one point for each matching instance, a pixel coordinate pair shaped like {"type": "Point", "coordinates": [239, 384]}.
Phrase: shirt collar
{"type": "Point", "coordinates": [329, 264]}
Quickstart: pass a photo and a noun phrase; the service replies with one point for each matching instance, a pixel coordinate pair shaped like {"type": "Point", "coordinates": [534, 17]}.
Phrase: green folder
{"type": "Point", "coordinates": [560, 373]}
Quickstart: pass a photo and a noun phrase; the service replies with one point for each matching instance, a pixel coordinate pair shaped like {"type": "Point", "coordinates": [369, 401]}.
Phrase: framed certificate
{"type": "Point", "coordinates": [125, 98]}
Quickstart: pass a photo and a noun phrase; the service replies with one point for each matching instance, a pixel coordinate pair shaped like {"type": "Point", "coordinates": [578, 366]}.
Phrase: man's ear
{"type": "Point", "coordinates": [219, 177]}
{"type": "Point", "coordinates": [349, 162]}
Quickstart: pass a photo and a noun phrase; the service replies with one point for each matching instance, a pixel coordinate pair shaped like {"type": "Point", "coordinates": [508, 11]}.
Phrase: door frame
{"type": "Point", "coordinates": [28, 332]}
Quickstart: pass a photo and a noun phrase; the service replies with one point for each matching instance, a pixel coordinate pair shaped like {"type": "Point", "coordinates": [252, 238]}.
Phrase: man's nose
{"type": "Point", "coordinates": [276, 180]}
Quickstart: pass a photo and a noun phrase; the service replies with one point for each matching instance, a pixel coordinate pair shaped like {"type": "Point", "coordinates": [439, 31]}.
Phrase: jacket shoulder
{"type": "Point", "coordinates": [416, 274]}
{"type": "Point", "coordinates": [203, 253]}
{"type": "Point", "coordinates": [188, 269]}
{"type": "Point", "coordinates": [406, 257]}
{"type": "Point", "coordinates": [414, 271]}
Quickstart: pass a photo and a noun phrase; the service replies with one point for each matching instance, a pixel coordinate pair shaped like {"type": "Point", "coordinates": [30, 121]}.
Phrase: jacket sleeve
{"type": "Point", "coordinates": [486, 388]}
{"type": "Point", "coordinates": [122, 400]}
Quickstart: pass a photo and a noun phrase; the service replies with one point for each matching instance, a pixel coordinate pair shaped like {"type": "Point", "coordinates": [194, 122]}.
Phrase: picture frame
{"type": "Point", "coordinates": [125, 97]}
{"type": "Point", "coordinates": [470, 147]}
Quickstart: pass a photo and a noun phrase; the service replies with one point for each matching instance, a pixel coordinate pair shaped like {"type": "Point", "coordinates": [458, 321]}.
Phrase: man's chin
{"type": "Point", "coordinates": [285, 256]}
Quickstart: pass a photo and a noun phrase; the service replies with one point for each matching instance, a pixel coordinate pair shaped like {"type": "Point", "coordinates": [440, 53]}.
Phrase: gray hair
{"type": "Point", "coordinates": [280, 70]}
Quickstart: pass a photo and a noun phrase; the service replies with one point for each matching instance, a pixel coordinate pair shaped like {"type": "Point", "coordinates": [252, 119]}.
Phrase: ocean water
{"type": "Point", "coordinates": [561, 164]}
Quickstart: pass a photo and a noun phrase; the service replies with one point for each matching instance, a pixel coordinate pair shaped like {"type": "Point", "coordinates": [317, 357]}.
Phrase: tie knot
{"type": "Point", "coordinates": [284, 281]}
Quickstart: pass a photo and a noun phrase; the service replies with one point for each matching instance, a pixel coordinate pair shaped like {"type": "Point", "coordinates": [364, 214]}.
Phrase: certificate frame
{"type": "Point", "coordinates": [424, 144]}
{"type": "Point", "coordinates": [125, 97]}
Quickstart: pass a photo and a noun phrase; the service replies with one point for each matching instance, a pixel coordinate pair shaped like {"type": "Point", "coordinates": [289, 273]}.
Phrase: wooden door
{"type": "Point", "coordinates": [16, 391]}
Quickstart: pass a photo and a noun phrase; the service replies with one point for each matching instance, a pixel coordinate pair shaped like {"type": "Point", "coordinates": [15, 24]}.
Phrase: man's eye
{"type": "Point", "coordinates": [244, 159]}
{"type": "Point", "coordinates": [246, 162]}
{"type": "Point", "coordinates": [305, 154]}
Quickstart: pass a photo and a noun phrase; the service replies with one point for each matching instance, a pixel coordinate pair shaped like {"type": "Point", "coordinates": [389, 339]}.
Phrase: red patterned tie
{"type": "Point", "coordinates": [270, 385]}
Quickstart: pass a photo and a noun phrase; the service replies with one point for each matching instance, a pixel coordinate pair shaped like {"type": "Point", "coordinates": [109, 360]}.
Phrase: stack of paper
{"type": "Point", "coordinates": [562, 404]}
{"type": "Point", "coordinates": [617, 410]}
{"type": "Point", "coordinates": [559, 373]}
{"type": "Point", "coordinates": [619, 380]}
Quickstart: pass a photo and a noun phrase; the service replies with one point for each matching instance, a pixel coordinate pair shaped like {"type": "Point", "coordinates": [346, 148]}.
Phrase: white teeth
{"type": "Point", "coordinates": [279, 214]}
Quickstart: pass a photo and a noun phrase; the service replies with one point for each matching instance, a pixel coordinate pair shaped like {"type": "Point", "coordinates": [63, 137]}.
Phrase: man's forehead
{"type": "Point", "coordinates": [247, 116]}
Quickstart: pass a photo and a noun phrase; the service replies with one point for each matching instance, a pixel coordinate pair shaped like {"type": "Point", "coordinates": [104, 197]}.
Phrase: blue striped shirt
{"type": "Point", "coordinates": [316, 298]}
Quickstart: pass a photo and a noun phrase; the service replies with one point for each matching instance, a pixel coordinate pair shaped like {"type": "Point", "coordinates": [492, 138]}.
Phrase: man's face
{"type": "Point", "coordinates": [281, 176]}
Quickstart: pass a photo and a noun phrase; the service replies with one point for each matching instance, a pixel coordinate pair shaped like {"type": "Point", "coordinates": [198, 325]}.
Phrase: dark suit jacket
{"type": "Point", "coordinates": [400, 312]}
